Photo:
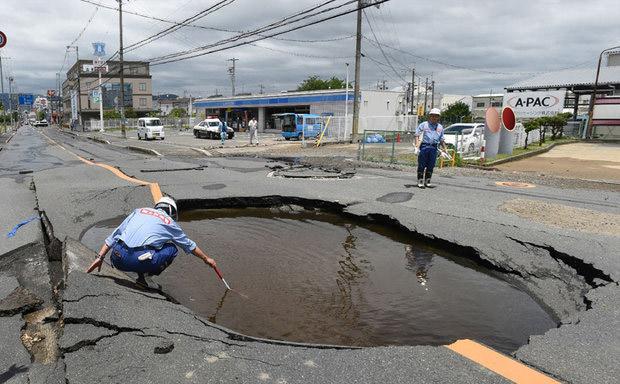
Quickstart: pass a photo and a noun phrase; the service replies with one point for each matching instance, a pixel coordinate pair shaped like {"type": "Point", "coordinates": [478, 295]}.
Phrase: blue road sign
{"type": "Point", "coordinates": [99, 49]}
{"type": "Point", "coordinates": [26, 99]}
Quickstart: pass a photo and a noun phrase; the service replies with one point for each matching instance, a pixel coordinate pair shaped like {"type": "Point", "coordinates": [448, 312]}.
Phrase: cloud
{"type": "Point", "coordinates": [509, 38]}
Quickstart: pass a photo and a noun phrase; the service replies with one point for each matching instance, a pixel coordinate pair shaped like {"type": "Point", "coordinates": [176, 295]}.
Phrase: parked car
{"type": "Point", "coordinates": [209, 128]}
{"type": "Point", "coordinates": [40, 123]}
{"type": "Point", "coordinates": [469, 136]}
{"type": "Point", "coordinates": [150, 128]}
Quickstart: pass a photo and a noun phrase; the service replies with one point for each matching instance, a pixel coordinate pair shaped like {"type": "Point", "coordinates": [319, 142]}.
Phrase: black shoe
{"type": "Point", "coordinates": [421, 184]}
{"type": "Point", "coordinates": [428, 184]}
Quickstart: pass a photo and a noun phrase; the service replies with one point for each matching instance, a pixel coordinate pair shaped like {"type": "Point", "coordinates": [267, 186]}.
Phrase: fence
{"type": "Point", "coordinates": [339, 128]}
{"type": "Point", "coordinates": [168, 122]}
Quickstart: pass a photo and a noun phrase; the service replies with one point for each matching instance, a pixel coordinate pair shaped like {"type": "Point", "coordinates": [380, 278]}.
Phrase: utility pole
{"type": "Point", "coordinates": [262, 89]}
{"type": "Point", "coordinates": [346, 102]}
{"type": "Point", "coordinates": [1, 75]}
{"type": "Point", "coordinates": [593, 97]}
{"type": "Point", "coordinates": [358, 58]}
{"type": "Point", "coordinates": [11, 101]}
{"type": "Point", "coordinates": [231, 71]}
{"type": "Point", "coordinates": [432, 94]}
{"type": "Point", "coordinates": [121, 74]}
{"type": "Point", "coordinates": [425, 95]}
{"type": "Point", "coordinates": [412, 88]}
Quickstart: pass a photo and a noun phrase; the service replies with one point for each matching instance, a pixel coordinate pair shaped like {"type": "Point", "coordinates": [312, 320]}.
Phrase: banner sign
{"type": "Point", "coordinates": [74, 107]}
{"type": "Point", "coordinates": [535, 103]}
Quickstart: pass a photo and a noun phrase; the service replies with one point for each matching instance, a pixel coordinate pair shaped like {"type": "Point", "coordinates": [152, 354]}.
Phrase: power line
{"type": "Point", "coordinates": [78, 37]}
{"type": "Point", "coordinates": [381, 49]}
{"type": "Point", "coordinates": [298, 54]}
{"type": "Point", "coordinates": [217, 28]}
{"type": "Point", "coordinates": [196, 52]}
{"type": "Point", "coordinates": [214, 8]}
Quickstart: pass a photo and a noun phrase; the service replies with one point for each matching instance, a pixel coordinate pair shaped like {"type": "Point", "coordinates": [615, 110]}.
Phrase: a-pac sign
{"type": "Point", "coordinates": [535, 104]}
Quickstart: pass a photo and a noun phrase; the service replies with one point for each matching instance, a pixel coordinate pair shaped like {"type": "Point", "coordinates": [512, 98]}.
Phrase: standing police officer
{"type": "Point", "coordinates": [428, 136]}
{"type": "Point", "coordinates": [146, 242]}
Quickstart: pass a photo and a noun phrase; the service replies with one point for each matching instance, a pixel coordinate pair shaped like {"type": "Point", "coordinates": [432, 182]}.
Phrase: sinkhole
{"type": "Point", "coordinates": [318, 277]}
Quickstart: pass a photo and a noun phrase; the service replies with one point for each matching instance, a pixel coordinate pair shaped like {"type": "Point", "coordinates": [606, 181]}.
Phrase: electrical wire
{"type": "Point", "coordinates": [381, 49]}
{"type": "Point", "coordinates": [90, 19]}
{"type": "Point", "coordinates": [184, 55]}
{"type": "Point", "coordinates": [217, 29]}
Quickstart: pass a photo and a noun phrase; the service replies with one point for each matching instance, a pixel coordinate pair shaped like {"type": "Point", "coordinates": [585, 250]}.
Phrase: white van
{"type": "Point", "coordinates": [150, 128]}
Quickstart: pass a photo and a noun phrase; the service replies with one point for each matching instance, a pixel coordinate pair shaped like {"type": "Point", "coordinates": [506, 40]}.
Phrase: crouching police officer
{"type": "Point", "coordinates": [146, 242]}
{"type": "Point", "coordinates": [428, 136]}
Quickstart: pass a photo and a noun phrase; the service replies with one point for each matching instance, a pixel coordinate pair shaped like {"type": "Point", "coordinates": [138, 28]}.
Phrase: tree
{"type": "Point", "coordinates": [315, 83]}
{"type": "Point", "coordinates": [457, 112]}
{"type": "Point", "coordinates": [130, 113]}
{"type": "Point", "coordinates": [177, 113]}
{"type": "Point", "coordinates": [529, 127]}
{"type": "Point", "coordinates": [543, 123]}
{"type": "Point", "coordinates": [40, 115]}
{"type": "Point", "coordinates": [111, 114]}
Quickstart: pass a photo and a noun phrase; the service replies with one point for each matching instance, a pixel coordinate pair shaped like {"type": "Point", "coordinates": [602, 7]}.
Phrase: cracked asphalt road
{"type": "Point", "coordinates": [115, 333]}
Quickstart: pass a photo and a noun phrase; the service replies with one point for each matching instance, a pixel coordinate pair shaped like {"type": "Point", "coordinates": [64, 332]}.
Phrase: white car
{"type": "Point", "coordinates": [150, 128]}
{"type": "Point", "coordinates": [469, 136]}
{"type": "Point", "coordinates": [40, 123]}
{"type": "Point", "coordinates": [210, 129]}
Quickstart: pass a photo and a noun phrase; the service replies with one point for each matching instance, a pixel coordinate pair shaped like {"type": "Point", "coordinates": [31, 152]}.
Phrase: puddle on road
{"type": "Point", "coordinates": [321, 278]}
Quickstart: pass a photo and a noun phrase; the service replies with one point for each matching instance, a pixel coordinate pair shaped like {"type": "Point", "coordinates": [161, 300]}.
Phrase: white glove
{"type": "Point", "coordinates": [416, 150]}
{"type": "Point", "coordinates": [445, 155]}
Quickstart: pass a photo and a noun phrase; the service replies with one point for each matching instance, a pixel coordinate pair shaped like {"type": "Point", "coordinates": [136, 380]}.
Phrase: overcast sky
{"type": "Point", "coordinates": [468, 47]}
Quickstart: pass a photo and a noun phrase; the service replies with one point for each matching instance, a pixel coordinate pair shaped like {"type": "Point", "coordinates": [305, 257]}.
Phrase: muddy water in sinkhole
{"type": "Point", "coordinates": [317, 277]}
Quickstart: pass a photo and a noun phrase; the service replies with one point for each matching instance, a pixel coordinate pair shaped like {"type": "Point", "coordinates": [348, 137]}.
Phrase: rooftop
{"type": "Point", "coordinates": [569, 78]}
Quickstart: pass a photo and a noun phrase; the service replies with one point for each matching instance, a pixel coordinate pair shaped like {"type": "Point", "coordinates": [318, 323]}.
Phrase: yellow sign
{"type": "Point", "coordinates": [420, 110]}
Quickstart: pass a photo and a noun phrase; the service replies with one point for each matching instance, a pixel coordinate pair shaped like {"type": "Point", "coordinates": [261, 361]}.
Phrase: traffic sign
{"type": "Point", "coordinates": [508, 118]}
{"type": "Point", "coordinates": [2, 39]}
{"type": "Point", "coordinates": [26, 99]}
{"type": "Point", "coordinates": [99, 49]}
{"type": "Point", "coordinates": [492, 120]}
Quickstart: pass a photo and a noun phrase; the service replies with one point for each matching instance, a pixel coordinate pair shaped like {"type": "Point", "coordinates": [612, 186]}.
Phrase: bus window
{"type": "Point", "coordinates": [300, 120]}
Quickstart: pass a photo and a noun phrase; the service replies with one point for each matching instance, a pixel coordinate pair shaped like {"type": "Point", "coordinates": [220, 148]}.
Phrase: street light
{"type": "Point", "coordinates": [591, 106]}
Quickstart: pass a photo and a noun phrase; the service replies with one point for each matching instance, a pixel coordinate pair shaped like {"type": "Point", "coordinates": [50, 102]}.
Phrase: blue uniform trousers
{"type": "Point", "coordinates": [126, 259]}
{"type": "Point", "coordinates": [426, 159]}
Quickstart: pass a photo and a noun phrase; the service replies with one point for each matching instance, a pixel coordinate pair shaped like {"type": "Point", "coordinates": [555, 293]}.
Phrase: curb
{"type": "Point", "coordinates": [99, 140]}
{"type": "Point", "coordinates": [203, 151]}
{"type": "Point", "coordinates": [75, 135]}
{"type": "Point", "coordinates": [10, 137]}
{"type": "Point", "coordinates": [526, 155]}
{"type": "Point", "coordinates": [148, 151]}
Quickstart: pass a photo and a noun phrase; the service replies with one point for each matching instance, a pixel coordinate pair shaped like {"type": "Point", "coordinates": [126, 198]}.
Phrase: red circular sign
{"type": "Point", "coordinates": [2, 39]}
{"type": "Point", "coordinates": [491, 118]}
{"type": "Point", "coordinates": [508, 118]}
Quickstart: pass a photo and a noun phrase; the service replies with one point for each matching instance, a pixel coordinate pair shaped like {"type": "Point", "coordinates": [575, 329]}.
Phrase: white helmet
{"type": "Point", "coordinates": [435, 111]}
{"type": "Point", "coordinates": [168, 205]}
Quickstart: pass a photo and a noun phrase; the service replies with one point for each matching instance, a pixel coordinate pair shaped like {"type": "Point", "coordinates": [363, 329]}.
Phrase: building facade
{"type": "Point", "coordinates": [480, 104]}
{"type": "Point", "coordinates": [238, 110]}
{"type": "Point", "coordinates": [82, 83]}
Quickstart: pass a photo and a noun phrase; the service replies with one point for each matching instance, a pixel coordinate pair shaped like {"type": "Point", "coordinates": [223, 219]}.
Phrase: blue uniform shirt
{"type": "Point", "coordinates": [150, 227]}
{"type": "Point", "coordinates": [431, 133]}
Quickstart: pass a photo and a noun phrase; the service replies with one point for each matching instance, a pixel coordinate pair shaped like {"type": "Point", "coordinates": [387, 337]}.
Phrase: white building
{"type": "Point", "coordinates": [238, 110]}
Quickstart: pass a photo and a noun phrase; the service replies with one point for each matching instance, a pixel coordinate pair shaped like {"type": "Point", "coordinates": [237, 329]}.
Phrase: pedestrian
{"type": "Point", "coordinates": [146, 242]}
{"type": "Point", "coordinates": [428, 136]}
{"type": "Point", "coordinates": [223, 132]}
{"type": "Point", "coordinates": [253, 125]}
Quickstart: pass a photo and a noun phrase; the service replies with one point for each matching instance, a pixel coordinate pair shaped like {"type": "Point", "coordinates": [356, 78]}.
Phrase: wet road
{"type": "Point", "coordinates": [320, 278]}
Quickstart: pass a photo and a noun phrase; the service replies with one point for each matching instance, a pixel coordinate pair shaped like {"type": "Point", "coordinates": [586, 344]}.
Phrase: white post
{"type": "Point", "coordinates": [100, 102]}
{"type": "Point", "coordinates": [191, 119]}
{"type": "Point", "coordinates": [346, 104]}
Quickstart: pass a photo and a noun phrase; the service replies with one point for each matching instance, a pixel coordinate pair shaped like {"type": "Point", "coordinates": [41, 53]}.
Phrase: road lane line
{"type": "Point", "coordinates": [503, 365]}
{"type": "Point", "coordinates": [154, 187]}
